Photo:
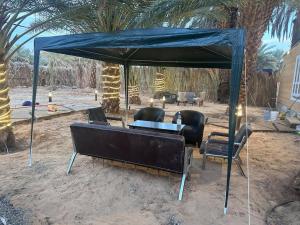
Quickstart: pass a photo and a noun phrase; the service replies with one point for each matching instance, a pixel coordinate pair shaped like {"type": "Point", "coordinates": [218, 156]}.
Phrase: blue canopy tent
{"type": "Point", "coordinates": [197, 48]}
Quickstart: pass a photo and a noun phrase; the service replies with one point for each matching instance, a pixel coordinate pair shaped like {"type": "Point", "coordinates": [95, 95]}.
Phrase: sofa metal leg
{"type": "Point", "coordinates": [204, 161]}
{"type": "Point", "coordinates": [181, 187]}
{"type": "Point", "coordinates": [71, 161]}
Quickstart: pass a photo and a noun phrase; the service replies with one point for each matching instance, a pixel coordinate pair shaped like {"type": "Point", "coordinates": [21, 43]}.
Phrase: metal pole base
{"type": "Point", "coordinates": [181, 187]}
{"type": "Point", "coordinates": [71, 162]}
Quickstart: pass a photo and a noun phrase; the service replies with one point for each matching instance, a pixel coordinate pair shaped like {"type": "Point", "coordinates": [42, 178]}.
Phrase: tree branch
{"type": "Point", "coordinates": [22, 44]}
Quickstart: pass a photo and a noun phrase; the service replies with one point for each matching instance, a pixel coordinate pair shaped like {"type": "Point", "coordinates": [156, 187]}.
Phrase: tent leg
{"type": "Point", "coordinates": [34, 89]}
{"type": "Point", "coordinates": [181, 187]}
{"type": "Point", "coordinates": [71, 161]}
{"type": "Point", "coordinates": [225, 210]}
{"type": "Point", "coordinates": [126, 76]}
{"type": "Point", "coordinates": [30, 156]}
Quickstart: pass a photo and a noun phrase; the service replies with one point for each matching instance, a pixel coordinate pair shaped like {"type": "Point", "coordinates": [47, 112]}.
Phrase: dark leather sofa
{"type": "Point", "coordinates": [150, 114]}
{"type": "Point", "coordinates": [150, 149]}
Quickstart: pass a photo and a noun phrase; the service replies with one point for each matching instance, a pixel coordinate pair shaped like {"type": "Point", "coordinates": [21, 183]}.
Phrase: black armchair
{"type": "Point", "coordinates": [194, 126]}
{"type": "Point", "coordinates": [150, 114]}
{"type": "Point", "coordinates": [97, 116]}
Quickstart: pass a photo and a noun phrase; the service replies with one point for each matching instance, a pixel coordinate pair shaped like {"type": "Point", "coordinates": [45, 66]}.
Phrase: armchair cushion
{"type": "Point", "coordinates": [214, 149]}
{"type": "Point", "coordinates": [150, 114]}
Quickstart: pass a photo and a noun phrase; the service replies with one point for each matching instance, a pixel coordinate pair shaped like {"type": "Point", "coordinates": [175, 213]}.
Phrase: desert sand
{"type": "Point", "coordinates": [100, 192]}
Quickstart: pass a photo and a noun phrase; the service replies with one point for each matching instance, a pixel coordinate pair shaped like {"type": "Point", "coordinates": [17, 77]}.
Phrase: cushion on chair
{"type": "Point", "coordinates": [217, 149]}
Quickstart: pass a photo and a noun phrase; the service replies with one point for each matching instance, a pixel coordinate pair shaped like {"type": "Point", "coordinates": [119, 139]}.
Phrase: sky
{"type": "Point", "coordinates": [278, 44]}
{"type": "Point", "coordinates": [283, 44]}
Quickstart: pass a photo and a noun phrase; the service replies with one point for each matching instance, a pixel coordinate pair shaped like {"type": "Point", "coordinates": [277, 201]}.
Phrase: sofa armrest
{"type": "Point", "coordinates": [221, 134]}
{"type": "Point", "coordinates": [215, 141]}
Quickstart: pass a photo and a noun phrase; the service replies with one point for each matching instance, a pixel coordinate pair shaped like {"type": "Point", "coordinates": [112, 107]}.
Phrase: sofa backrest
{"type": "Point", "coordinates": [152, 149]}
{"type": "Point", "coordinates": [182, 97]}
{"type": "Point", "coordinates": [190, 96]}
{"type": "Point", "coordinates": [245, 130]}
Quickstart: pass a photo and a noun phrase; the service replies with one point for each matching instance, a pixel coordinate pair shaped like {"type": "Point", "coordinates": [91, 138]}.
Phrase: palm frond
{"type": "Point", "coordinates": [281, 24]}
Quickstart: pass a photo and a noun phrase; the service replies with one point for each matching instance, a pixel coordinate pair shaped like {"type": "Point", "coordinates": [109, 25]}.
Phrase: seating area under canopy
{"type": "Point", "coordinates": [194, 48]}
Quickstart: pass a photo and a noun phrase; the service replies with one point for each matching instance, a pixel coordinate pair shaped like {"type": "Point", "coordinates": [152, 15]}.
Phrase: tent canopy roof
{"type": "Point", "coordinates": [203, 48]}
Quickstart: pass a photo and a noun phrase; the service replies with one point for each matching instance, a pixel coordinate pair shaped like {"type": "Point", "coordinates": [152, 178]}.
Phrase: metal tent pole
{"type": "Point", "coordinates": [34, 90]}
{"type": "Point", "coordinates": [235, 80]}
{"type": "Point", "coordinates": [126, 77]}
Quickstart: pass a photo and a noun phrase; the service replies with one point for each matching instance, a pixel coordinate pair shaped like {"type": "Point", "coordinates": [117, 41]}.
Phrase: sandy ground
{"type": "Point", "coordinates": [101, 193]}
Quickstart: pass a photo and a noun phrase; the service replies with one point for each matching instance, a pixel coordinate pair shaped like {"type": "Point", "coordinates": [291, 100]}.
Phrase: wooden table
{"type": "Point", "coordinates": [156, 126]}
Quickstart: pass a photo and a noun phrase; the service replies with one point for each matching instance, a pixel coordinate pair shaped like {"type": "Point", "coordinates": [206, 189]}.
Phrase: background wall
{"type": "Point", "coordinates": [286, 77]}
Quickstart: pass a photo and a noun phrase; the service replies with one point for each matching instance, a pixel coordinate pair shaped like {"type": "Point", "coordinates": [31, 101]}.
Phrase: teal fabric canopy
{"type": "Point", "coordinates": [197, 48]}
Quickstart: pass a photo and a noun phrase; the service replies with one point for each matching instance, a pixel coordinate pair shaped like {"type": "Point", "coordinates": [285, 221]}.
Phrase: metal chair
{"type": "Point", "coordinates": [181, 98]}
{"type": "Point", "coordinates": [97, 116]}
{"type": "Point", "coordinates": [219, 148]}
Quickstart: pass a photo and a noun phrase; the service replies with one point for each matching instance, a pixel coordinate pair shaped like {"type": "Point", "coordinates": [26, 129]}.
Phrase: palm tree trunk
{"type": "Point", "coordinates": [133, 88]}
{"type": "Point", "coordinates": [223, 89]}
{"type": "Point", "coordinates": [134, 94]}
{"type": "Point", "coordinates": [6, 133]}
{"type": "Point", "coordinates": [160, 80]}
{"type": "Point", "coordinates": [111, 87]}
{"type": "Point", "coordinates": [254, 17]}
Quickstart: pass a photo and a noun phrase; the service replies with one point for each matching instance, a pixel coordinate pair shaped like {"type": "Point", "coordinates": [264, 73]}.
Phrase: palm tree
{"type": "Point", "coordinates": [285, 21]}
{"type": "Point", "coordinates": [133, 87]}
{"type": "Point", "coordinates": [296, 29]}
{"type": "Point", "coordinates": [12, 15]}
{"type": "Point", "coordinates": [269, 58]}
